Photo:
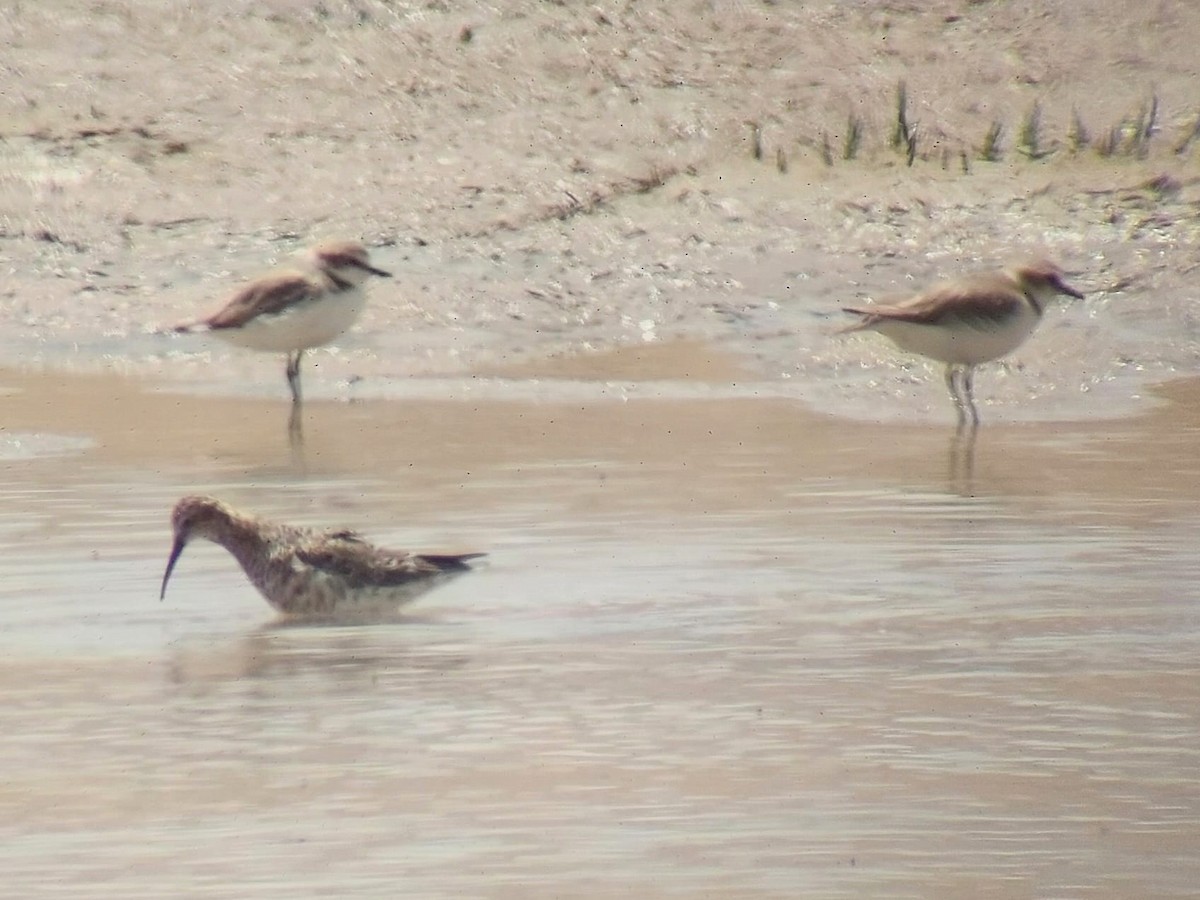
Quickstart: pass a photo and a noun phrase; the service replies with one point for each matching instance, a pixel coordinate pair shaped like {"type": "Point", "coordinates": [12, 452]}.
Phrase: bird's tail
{"type": "Point", "coordinates": [866, 318]}
{"type": "Point", "coordinates": [452, 562]}
{"type": "Point", "coordinates": [192, 327]}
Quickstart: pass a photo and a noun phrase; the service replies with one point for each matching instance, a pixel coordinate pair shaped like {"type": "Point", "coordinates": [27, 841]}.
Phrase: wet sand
{"type": "Point", "coordinates": [723, 647]}
{"type": "Point", "coordinates": [546, 180]}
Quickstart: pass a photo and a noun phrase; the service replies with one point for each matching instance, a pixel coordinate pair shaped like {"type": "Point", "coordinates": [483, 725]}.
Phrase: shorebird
{"type": "Point", "coordinates": [306, 571]}
{"type": "Point", "coordinates": [295, 309]}
{"type": "Point", "coordinates": [969, 321]}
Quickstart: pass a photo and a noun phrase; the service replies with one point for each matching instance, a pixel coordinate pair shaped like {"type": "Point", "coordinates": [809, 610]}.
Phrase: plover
{"type": "Point", "coordinates": [969, 321]}
{"type": "Point", "coordinates": [306, 571]}
{"type": "Point", "coordinates": [295, 309]}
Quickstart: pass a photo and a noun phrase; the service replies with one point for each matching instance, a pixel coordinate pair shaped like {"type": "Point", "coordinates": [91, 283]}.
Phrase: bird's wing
{"type": "Point", "coordinates": [345, 534]}
{"type": "Point", "coordinates": [981, 305]}
{"type": "Point", "coordinates": [266, 296]}
{"type": "Point", "coordinates": [347, 555]}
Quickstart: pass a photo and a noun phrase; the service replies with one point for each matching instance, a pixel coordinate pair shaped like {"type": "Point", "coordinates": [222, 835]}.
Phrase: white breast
{"type": "Point", "coordinates": [958, 343]}
{"type": "Point", "coordinates": [312, 323]}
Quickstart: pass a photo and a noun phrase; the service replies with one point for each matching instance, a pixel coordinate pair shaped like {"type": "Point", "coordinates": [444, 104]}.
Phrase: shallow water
{"type": "Point", "coordinates": [721, 647]}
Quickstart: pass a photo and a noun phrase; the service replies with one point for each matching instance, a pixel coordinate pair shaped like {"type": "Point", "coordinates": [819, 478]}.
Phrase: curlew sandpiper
{"type": "Point", "coordinates": [310, 572]}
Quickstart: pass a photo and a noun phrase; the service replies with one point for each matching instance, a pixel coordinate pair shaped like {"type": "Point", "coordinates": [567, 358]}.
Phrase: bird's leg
{"type": "Point", "coordinates": [962, 458]}
{"type": "Point", "coordinates": [293, 376]}
{"type": "Point", "coordinates": [296, 427]}
{"type": "Point", "coordinates": [955, 395]}
{"type": "Point", "coordinates": [968, 382]}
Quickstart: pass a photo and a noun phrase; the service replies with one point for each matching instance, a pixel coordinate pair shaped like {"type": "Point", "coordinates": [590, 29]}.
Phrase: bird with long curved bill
{"type": "Point", "coordinates": [307, 571]}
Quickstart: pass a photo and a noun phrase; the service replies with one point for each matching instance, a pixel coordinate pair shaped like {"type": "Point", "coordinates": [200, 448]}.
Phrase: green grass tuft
{"type": "Point", "coordinates": [1029, 141]}
{"type": "Point", "coordinates": [1078, 136]}
{"type": "Point", "coordinates": [990, 150]}
{"type": "Point", "coordinates": [756, 145]}
{"type": "Point", "coordinates": [853, 139]}
{"type": "Point", "coordinates": [1109, 143]}
{"type": "Point", "coordinates": [900, 131]}
{"type": "Point", "coordinates": [1189, 138]}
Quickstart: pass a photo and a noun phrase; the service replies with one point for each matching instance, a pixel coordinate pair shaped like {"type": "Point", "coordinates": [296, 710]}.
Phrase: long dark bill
{"type": "Point", "coordinates": [176, 550]}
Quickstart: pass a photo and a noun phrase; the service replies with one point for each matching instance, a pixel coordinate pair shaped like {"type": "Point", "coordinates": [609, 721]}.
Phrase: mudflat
{"type": "Point", "coordinates": [546, 179]}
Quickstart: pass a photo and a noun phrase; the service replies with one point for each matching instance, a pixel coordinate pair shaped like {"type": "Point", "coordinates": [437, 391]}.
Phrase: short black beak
{"type": "Point", "coordinates": [374, 271]}
{"type": "Point", "coordinates": [176, 550]}
{"type": "Point", "coordinates": [1064, 288]}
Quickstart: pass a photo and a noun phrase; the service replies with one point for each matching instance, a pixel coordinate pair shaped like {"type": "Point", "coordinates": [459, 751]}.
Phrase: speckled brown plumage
{"type": "Point", "coordinates": [306, 571]}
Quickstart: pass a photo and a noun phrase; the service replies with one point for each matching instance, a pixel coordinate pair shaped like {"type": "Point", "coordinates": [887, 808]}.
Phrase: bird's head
{"type": "Point", "coordinates": [193, 516]}
{"type": "Point", "coordinates": [1044, 280]}
{"type": "Point", "coordinates": [344, 261]}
